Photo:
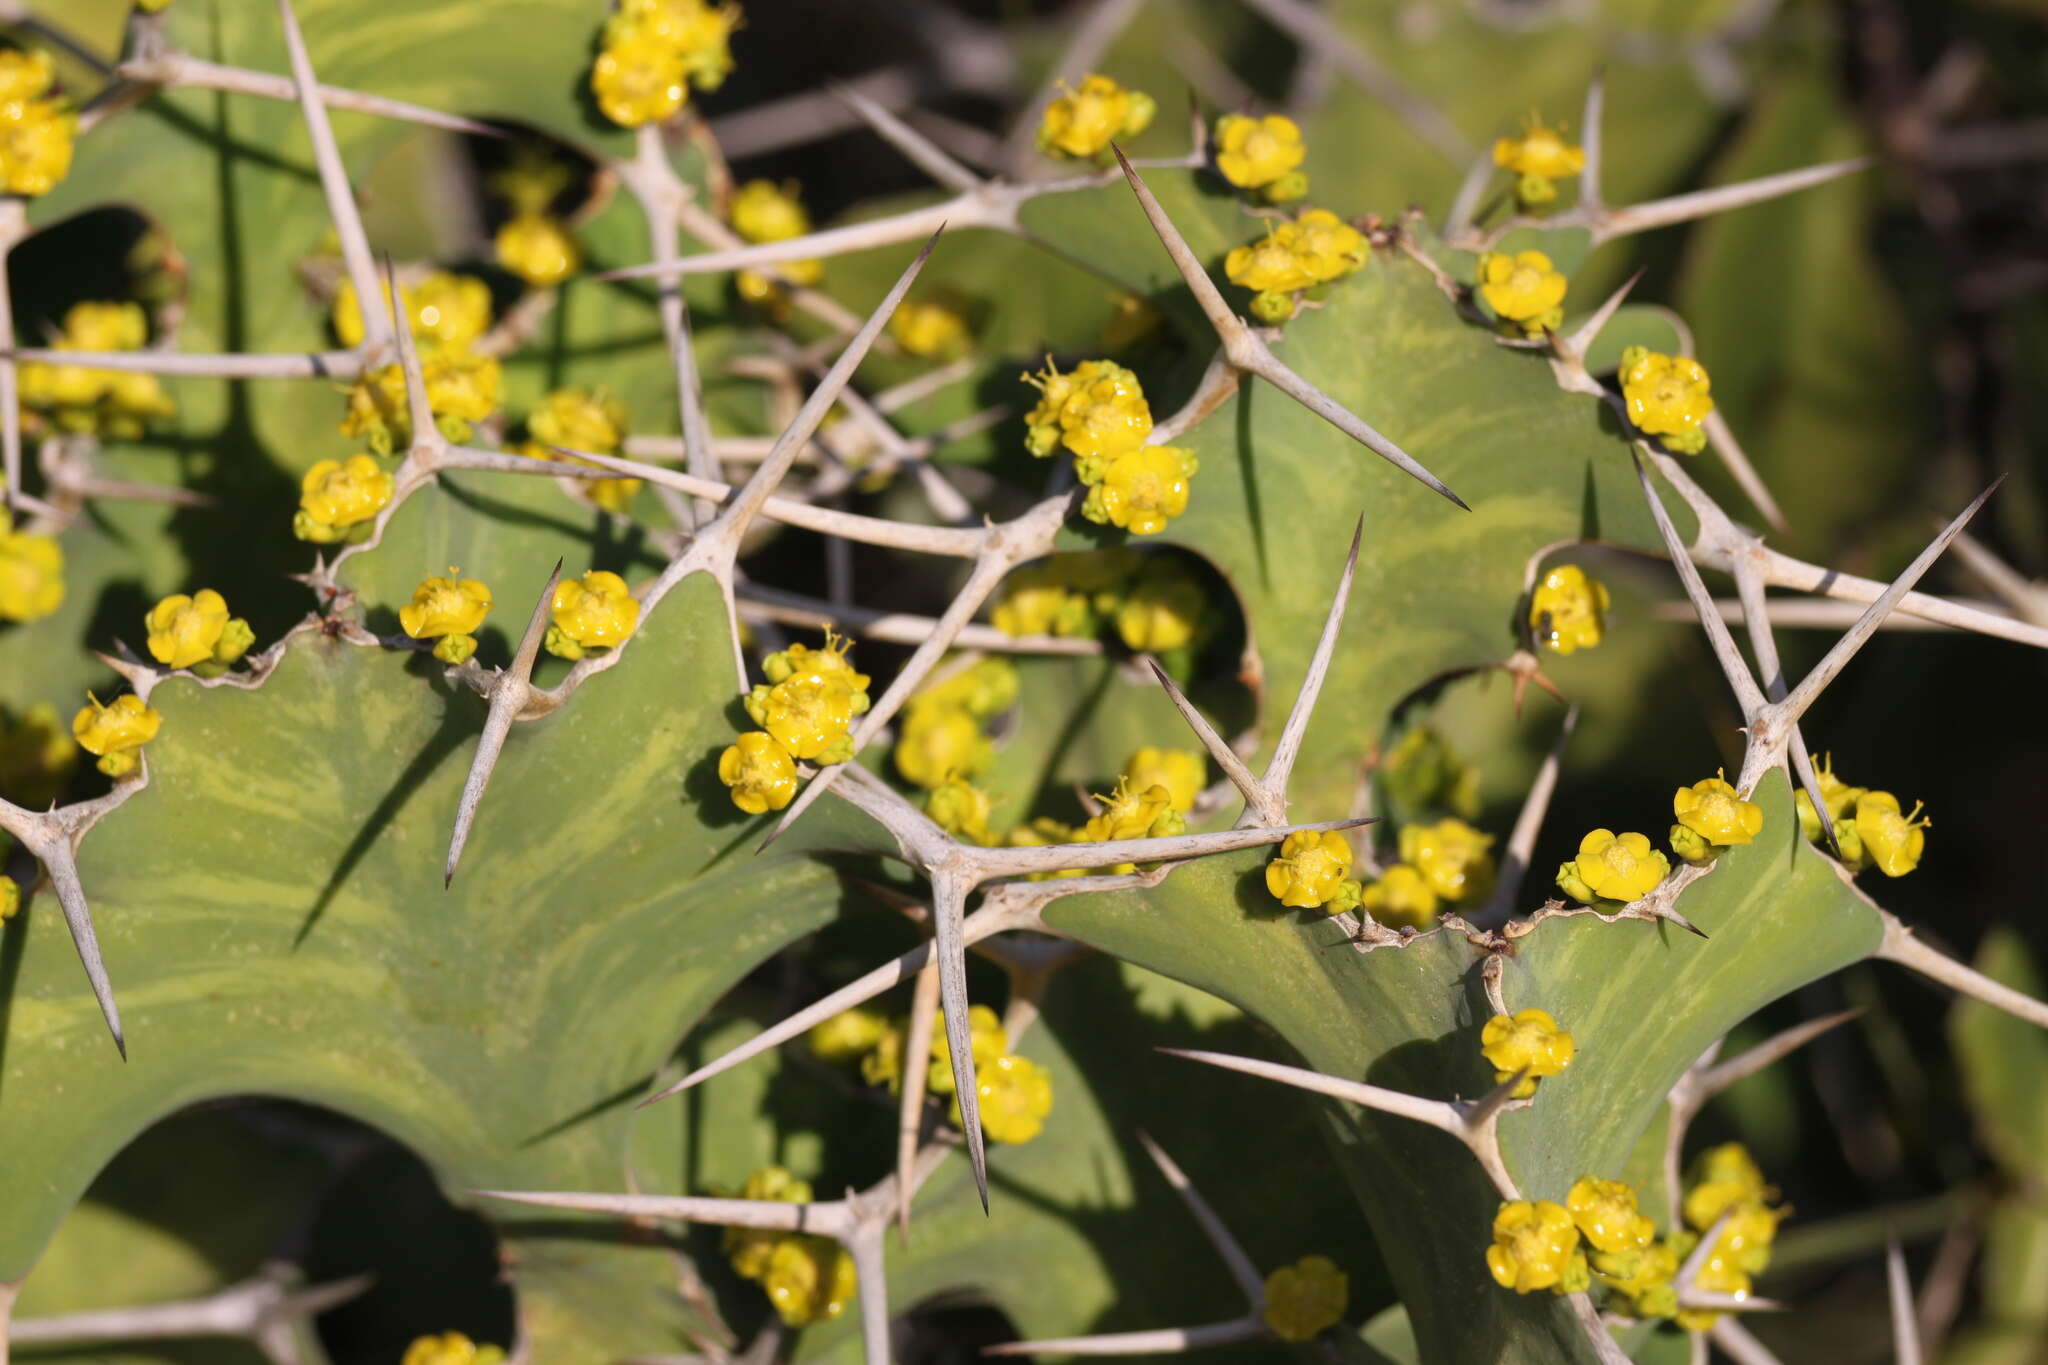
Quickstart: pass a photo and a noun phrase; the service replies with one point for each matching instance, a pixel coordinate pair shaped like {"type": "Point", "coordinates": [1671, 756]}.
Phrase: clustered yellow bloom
{"type": "Point", "coordinates": [1869, 826]}
{"type": "Point", "coordinates": [763, 211]}
{"type": "Point", "coordinates": [337, 497]}
{"type": "Point", "coordinates": [447, 311]}
{"type": "Point", "coordinates": [1311, 249]}
{"type": "Point", "coordinates": [1528, 1041]}
{"type": "Point", "coordinates": [115, 731]}
{"type": "Point", "coordinates": [847, 1036]}
{"type": "Point", "coordinates": [1015, 1096]}
{"type": "Point", "coordinates": [1082, 122]}
{"type": "Point", "coordinates": [1536, 1246]}
{"type": "Point", "coordinates": [1568, 610]}
{"type": "Point", "coordinates": [807, 1278]}
{"type": "Point", "coordinates": [1099, 412]}
{"type": "Point", "coordinates": [1537, 159]}
{"type": "Point", "coordinates": [36, 129]}
{"type": "Point", "coordinates": [31, 573]}
{"type": "Point", "coordinates": [1180, 773]}
{"type": "Point", "coordinates": [941, 739]}
{"type": "Point", "coordinates": [1309, 869]}
{"type": "Point", "coordinates": [1447, 862]}
{"type": "Point", "coordinates": [590, 615]}
{"type": "Point", "coordinates": [1306, 1299]}
{"type": "Point", "coordinates": [447, 611]}
{"type": "Point", "coordinates": [1667, 398]}
{"type": "Point", "coordinates": [37, 756]}
{"type": "Point", "coordinates": [76, 398]}
{"type": "Point", "coordinates": [1711, 815]}
{"type": "Point", "coordinates": [1524, 290]}
{"type": "Point", "coordinates": [1727, 1185]}
{"type": "Point", "coordinates": [805, 711]}
{"type": "Point", "coordinates": [1401, 897]}
{"type": "Point", "coordinates": [10, 898]}
{"type": "Point", "coordinates": [1613, 867]}
{"type": "Point", "coordinates": [1068, 595]}
{"type": "Point", "coordinates": [462, 388]}
{"type": "Point", "coordinates": [654, 51]}
{"type": "Point", "coordinates": [538, 249]}
{"type": "Point", "coordinates": [583, 419]}
{"type": "Point", "coordinates": [451, 1348]}
{"type": "Point", "coordinates": [1014, 1092]}
{"type": "Point", "coordinates": [1132, 812]}
{"type": "Point", "coordinates": [961, 809]}
{"type": "Point", "coordinates": [934, 327]}
{"type": "Point", "coordinates": [196, 632]}
{"type": "Point", "coordinates": [1262, 154]}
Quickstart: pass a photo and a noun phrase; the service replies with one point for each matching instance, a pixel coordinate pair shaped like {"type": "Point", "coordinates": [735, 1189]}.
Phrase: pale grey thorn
{"type": "Point", "coordinates": [1235, 1258]}
{"type": "Point", "coordinates": [419, 410]}
{"type": "Point", "coordinates": [1249, 352]}
{"type": "Point", "coordinates": [1315, 30]}
{"type": "Point", "coordinates": [1734, 667]}
{"type": "Point", "coordinates": [1739, 1344]}
{"type": "Point", "coordinates": [1906, 1348]}
{"type": "Point", "coordinates": [262, 1310]}
{"type": "Point", "coordinates": [1722, 438]}
{"type": "Point", "coordinates": [1479, 173]}
{"type": "Point", "coordinates": [169, 70]}
{"type": "Point", "coordinates": [1900, 945]}
{"type": "Point", "coordinates": [922, 152]}
{"type": "Point", "coordinates": [1256, 798]}
{"type": "Point", "coordinates": [341, 203]}
{"type": "Point", "coordinates": [1756, 619]}
{"type": "Point", "coordinates": [511, 695]}
{"type": "Point", "coordinates": [916, 1071]}
{"type": "Point", "coordinates": [1568, 354]}
{"type": "Point", "coordinates": [1156, 1341]}
{"type": "Point", "coordinates": [13, 227]}
{"type": "Point", "coordinates": [1521, 845]}
{"type": "Point", "coordinates": [2025, 598]}
{"type": "Point", "coordinates": [192, 365]}
{"type": "Point", "coordinates": [1280, 769]}
{"type": "Point", "coordinates": [1592, 142]}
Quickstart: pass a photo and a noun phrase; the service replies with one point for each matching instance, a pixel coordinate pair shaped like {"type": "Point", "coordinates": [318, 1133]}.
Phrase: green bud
{"type": "Point", "coordinates": [455, 649]}
{"type": "Point", "coordinates": [1690, 845]}
{"type": "Point", "coordinates": [1287, 189]}
{"type": "Point", "coordinates": [1272, 307]}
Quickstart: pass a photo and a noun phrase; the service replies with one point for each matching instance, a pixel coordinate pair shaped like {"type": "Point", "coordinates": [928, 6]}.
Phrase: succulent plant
{"type": "Point", "coordinates": [468, 879]}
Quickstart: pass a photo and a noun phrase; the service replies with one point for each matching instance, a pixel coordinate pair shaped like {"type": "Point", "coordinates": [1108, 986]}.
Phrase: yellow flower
{"type": "Point", "coordinates": [1523, 288]}
{"type": "Point", "coordinates": [1568, 610]}
{"type": "Point", "coordinates": [1528, 1039]}
{"type": "Point", "coordinates": [639, 79]}
{"type": "Point", "coordinates": [334, 496]}
{"type": "Point", "coordinates": [1140, 490]}
{"type": "Point", "coordinates": [538, 250]}
{"type": "Point", "coordinates": [1402, 895]}
{"type": "Point", "coordinates": [1613, 867]}
{"type": "Point", "coordinates": [1015, 1094]}
{"type": "Point", "coordinates": [962, 810]}
{"type": "Point", "coordinates": [831, 662]}
{"type": "Point", "coordinates": [1308, 868]}
{"type": "Point", "coordinates": [1036, 601]}
{"type": "Point", "coordinates": [1724, 1177]}
{"type": "Point", "coordinates": [31, 573]}
{"type": "Point", "coordinates": [749, 1250]}
{"type": "Point", "coordinates": [984, 689]}
{"type": "Point", "coordinates": [1667, 397]}
{"type": "Point", "coordinates": [847, 1035]}
{"type": "Point", "coordinates": [1162, 612]}
{"type": "Point", "coordinates": [1711, 809]}
{"type": "Point", "coordinates": [1329, 247]}
{"type": "Point", "coordinates": [1270, 265]}
{"type": "Point", "coordinates": [451, 1348]}
{"type": "Point", "coordinates": [25, 74]}
{"type": "Point", "coordinates": [35, 145]}
{"type": "Point", "coordinates": [1452, 857]}
{"type": "Point", "coordinates": [1104, 412]}
{"type": "Point", "coordinates": [104, 402]}
{"type": "Point", "coordinates": [1605, 1211]}
{"type": "Point", "coordinates": [1255, 152]}
{"type": "Point", "coordinates": [809, 1279]}
{"type": "Point", "coordinates": [809, 714]}
{"type": "Point", "coordinates": [763, 211]}
{"type": "Point", "coordinates": [462, 387]}
{"type": "Point", "coordinates": [1306, 1299]}
{"type": "Point", "coordinates": [10, 898]}
{"type": "Point", "coordinates": [1533, 1245]}
{"type": "Point", "coordinates": [1837, 795]}
{"type": "Point", "coordinates": [597, 611]}
{"type": "Point", "coordinates": [115, 730]}
{"type": "Point", "coordinates": [445, 606]}
{"type": "Point", "coordinates": [1891, 840]}
{"type": "Point", "coordinates": [446, 310]}
{"type": "Point", "coordinates": [934, 327]}
{"type": "Point", "coordinates": [1135, 812]}
{"type": "Point", "coordinates": [1540, 150]}
{"type": "Point", "coordinates": [184, 630]}
{"type": "Point", "coordinates": [103, 326]}
{"type": "Point", "coordinates": [1083, 122]}
{"type": "Point", "coordinates": [1643, 1277]}
{"type": "Point", "coordinates": [698, 32]}
{"type": "Point", "coordinates": [941, 742]}
{"type": "Point", "coordinates": [760, 773]}
{"type": "Point", "coordinates": [1179, 772]}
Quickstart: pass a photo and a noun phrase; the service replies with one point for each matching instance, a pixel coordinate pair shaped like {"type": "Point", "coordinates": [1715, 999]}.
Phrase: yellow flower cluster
{"type": "Point", "coordinates": [1098, 411]}
{"type": "Point", "coordinates": [449, 313]}
{"type": "Point", "coordinates": [338, 499]}
{"type": "Point", "coordinates": [36, 129]}
{"type": "Point", "coordinates": [1712, 816]}
{"type": "Point", "coordinates": [763, 211]}
{"type": "Point", "coordinates": [31, 573]}
{"type": "Point", "coordinates": [1130, 811]}
{"type": "Point", "coordinates": [1613, 867]}
{"type": "Point", "coordinates": [449, 612]}
{"type": "Point", "coordinates": [76, 398]}
{"type": "Point", "coordinates": [451, 1348]}
{"type": "Point", "coordinates": [941, 739]}
{"type": "Point", "coordinates": [1446, 863]}
{"type": "Point", "coordinates": [1312, 871]}
{"type": "Point", "coordinates": [934, 327]}
{"type": "Point", "coordinates": [1083, 121]}
{"type": "Point", "coordinates": [1306, 1299]}
{"type": "Point", "coordinates": [1298, 254]}
{"type": "Point", "coordinates": [1180, 773]}
{"type": "Point", "coordinates": [1538, 159]}
{"type": "Point", "coordinates": [37, 756]}
{"type": "Point", "coordinates": [808, 1279]}
{"type": "Point", "coordinates": [115, 731]}
{"type": "Point", "coordinates": [1524, 291]}
{"type": "Point", "coordinates": [654, 51]}
{"type": "Point", "coordinates": [196, 632]}
{"type": "Point", "coordinates": [1262, 154]}
{"type": "Point", "coordinates": [1529, 1040]}
{"type": "Point", "coordinates": [1543, 1245]}
{"type": "Point", "coordinates": [10, 898]}
{"type": "Point", "coordinates": [1727, 1184]}
{"type": "Point", "coordinates": [532, 243]}
{"type": "Point", "coordinates": [583, 419]}
{"type": "Point", "coordinates": [590, 615]}
{"type": "Point", "coordinates": [1568, 610]}
{"type": "Point", "coordinates": [1666, 397]}
{"type": "Point", "coordinates": [1155, 605]}
{"type": "Point", "coordinates": [1015, 1093]}
{"type": "Point", "coordinates": [805, 711]}
{"type": "Point", "coordinates": [1869, 826]}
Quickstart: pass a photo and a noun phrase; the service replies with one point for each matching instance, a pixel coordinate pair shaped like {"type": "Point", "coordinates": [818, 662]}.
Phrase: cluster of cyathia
{"type": "Point", "coordinates": [449, 314]}
{"type": "Point", "coordinates": [1868, 825]}
{"type": "Point", "coordinates": [1615, 868]}
{"type": "Point", "coordinates": [36, 127]}
{"type": "Point", "coordinates": [807, 1278]}
{"type": "Point", "coordinates": [653, 51]}
{"type": "Point", "coordinates": [1081, 123]}
{"type": "Point", "coordinates": [1015, 1093]}
{"type": "Point", "coordinates": [1538, 159]}
{"type": "Point", "coordinates": [1099, 413]}
{"type": "Point", "coordinates": [583, 419]}
{"type": "Point", "coordinates": [1156, 606]}
{"type": "Point", "coordinates": [1294, 260]}
{"type": "Point", "coordinates": [451, 1348]}
{"type": "Point", "coordinates": [77, 399]}
{"type": "Point", "coordinates": [805, 711]}
{"type": "Point", "coordinates": [763, 211]}
{"type": "Point", "coordinates": [1445, 864]}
